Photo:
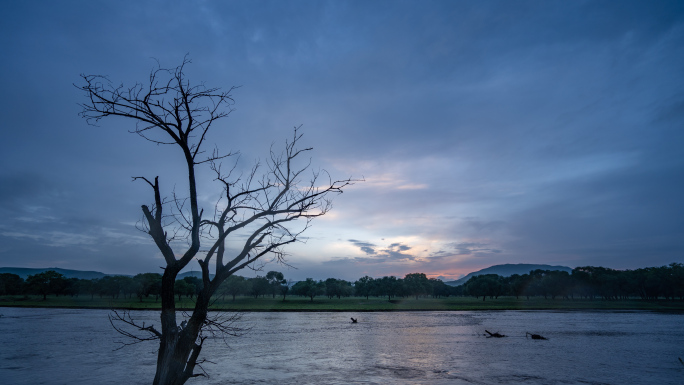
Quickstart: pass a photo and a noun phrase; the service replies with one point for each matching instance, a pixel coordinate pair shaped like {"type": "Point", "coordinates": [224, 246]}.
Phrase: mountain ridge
{"type": "Point", "coordinates": [24, 272]}
{"type": "Point", "coordinates": [508, 269]}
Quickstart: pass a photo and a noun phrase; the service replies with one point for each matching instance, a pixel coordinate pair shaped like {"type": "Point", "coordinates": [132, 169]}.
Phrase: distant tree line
{"type": "Point", "coordinates": [141, 286]}
{"type": "Point", "coordinates": [273, 284]}
{"type": "Point", "coordinates": [412, 285]}
{"type": "Point", "coordinates": [583, 282]}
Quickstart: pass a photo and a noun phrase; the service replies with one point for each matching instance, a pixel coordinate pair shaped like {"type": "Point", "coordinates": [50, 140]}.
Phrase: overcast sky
{"type": "Point", "coordinates": [487, 132]}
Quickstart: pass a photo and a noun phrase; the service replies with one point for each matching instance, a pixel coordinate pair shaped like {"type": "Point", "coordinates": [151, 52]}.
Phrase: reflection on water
{"type": "Point", "coordinates": [58, 346]}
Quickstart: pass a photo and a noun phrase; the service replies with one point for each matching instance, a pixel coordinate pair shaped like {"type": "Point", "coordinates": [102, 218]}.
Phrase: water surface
{"type": "Point", "coordinates": [63, 346]}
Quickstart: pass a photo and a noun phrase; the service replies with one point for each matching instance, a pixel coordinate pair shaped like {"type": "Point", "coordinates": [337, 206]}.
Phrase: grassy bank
{"type": "Point", "coordinates": [349, 304]}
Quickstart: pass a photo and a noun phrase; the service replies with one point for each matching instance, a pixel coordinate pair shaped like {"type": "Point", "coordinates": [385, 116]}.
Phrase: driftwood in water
{"type": "Point", "coordinates": [496, 335]}
{"type": "Point", "coordinates": [680, 360]}
{"type": "Point", "coordinates": [353, 320]}
{"type": "Point", "coordinates": [535, 336]}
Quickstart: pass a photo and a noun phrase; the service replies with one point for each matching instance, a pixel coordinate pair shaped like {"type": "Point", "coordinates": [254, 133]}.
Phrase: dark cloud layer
{"type": "Point", "coordinates": [487, 132]}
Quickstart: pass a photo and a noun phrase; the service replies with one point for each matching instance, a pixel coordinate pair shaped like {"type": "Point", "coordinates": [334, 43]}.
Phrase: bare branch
{"type": "Point", "coordinates": [125, 317]}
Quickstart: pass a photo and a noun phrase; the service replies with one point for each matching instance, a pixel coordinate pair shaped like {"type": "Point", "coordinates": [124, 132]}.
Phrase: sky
{"type": "Point", "coordinates": [486, 132]}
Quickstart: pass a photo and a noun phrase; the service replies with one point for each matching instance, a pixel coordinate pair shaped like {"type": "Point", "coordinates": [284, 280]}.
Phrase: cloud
{"type": "Point", "coordinates": [467, 248]}
{"type": "Point", "coordinates": [366, 247]}
{"type": "Point", "coordinates": [393, 252]}
{"type": "Point", "coordinates": [368, 250]}
{"type": "Point", "coordinates": [361, 243]}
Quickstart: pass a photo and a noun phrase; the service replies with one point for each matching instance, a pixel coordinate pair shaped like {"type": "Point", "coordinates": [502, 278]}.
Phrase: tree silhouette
{"type": "Point", "coordinates": [309, 288]}
{"type": "Point", "coordinates": [257, 210]}
{"type": "Point", "coordinates": [276, 279]}
{"type": "Point", "coordinates": [47, 282]}
{"type": "Point", "coordinates": [10, 284]}
{"type": "Point", "coordinates": [417, 284]}
{"type": "Point", "coordinates": [233, 285]}
{"type": "Point", "coordinates": [363, 286]}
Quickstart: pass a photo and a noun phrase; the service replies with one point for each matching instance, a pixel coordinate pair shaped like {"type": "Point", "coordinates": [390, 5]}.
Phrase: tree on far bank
{"type": "Point", "coordinates": [387, 286]}
{"type": "Point", "coordinates": [286, 288]}
{"type": "Point", "coordinates": [47, 282]}
{"type": "Point", "coordinates": [309, 288]}
{"type": "Point", "coordinates": [677, 279]}
{"type": "Point", "coordinates": [194, 283]}
{"type": "Point", "coordinates": [276, 279]}
{"type": "Point", "coordinates": [183, 288]}
{"type": "Point", "coordinates": [337, 288]}
{"type": "Point", "coordinates": [439, 288]}
{"type": "Point", "coordinates": [147, 284]}
{"type": "Point", "coordinates": [259, 286]}
{"type": "Point", "coordinates": [11, 284]}
{"type": "Point", "coordinates": [89, 286]}
{"type": "Point", "coordinates": [485, 285]}
{"type": "Point", "coordinates": [363, 286]}
{"type": "Point", "coordinates": [233, 286]}
{"type": "Point", "coordinates": [417, 284]}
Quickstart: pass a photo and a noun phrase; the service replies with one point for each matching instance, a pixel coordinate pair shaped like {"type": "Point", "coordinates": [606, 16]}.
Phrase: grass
{"type": "Point", "coordinates": [349, 304]}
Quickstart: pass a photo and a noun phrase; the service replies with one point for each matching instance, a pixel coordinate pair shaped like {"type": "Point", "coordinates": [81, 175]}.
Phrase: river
{"type": "Point", "coordinates": [69, 346]}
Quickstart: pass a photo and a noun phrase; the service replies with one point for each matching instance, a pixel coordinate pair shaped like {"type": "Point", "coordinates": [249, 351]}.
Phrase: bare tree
{"type": "Point", "coordinates": [259, 209]}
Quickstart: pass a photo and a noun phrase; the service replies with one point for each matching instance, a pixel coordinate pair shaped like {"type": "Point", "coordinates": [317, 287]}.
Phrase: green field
{"type": "Point", "coordinates": [350, 304]}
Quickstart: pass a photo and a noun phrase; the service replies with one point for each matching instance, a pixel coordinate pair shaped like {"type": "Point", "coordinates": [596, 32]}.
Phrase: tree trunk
{"type": "Point", "coordinates": [178, 348]}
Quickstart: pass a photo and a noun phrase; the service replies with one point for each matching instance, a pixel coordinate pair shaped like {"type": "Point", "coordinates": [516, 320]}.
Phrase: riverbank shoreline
{"type": "Point", "coordinates": [353, 304]}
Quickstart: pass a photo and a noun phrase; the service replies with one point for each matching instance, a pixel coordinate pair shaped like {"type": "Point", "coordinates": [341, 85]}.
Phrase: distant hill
{"type": "Point", "coordinates": [507, 270]}
{"type": "Point", "coordinates": [196, 274]}
{"type": "Point", "coordinates": [24, 272]}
